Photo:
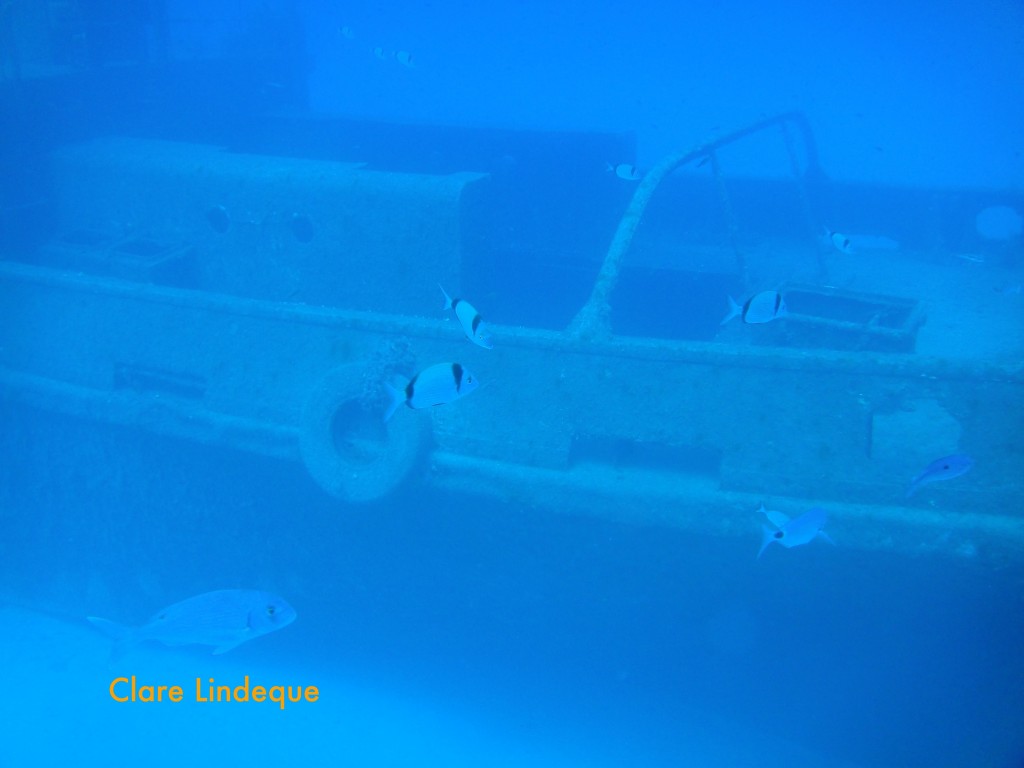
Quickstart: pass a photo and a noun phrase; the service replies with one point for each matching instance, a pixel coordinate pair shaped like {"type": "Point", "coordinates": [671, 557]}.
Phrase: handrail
{"type": "Point", "coordinates": [593, 319]}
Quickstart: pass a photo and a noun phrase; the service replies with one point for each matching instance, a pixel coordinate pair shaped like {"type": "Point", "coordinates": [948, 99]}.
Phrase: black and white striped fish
{"type": "Point", "coordinates": [436, 385]}
{"type": "Point", "coordinates": [839, 241]}
{"type": "Point", "coordinates": [472, 325]}
{"type": "Point", "coordinates": [762, 307]}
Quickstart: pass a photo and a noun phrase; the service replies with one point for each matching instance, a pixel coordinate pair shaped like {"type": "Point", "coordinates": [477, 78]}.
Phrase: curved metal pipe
{"type": "Point", "coordinates": [593, 320]}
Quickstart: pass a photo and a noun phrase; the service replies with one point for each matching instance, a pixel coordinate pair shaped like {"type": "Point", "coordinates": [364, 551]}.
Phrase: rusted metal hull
{"type": "Point", "coordinates": [693, 435]}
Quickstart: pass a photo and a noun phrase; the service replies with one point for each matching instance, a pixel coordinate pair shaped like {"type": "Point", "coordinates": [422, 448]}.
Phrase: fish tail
{"type": "Point", "coordinates": [123, 637]}
{"type": "Point", "coordinates": [916, 483]}
{"type": "Point", "coordinates": [767, 536]}
{"type": "Point", "coordinates": [395, 398]}
{"type": "Point", "coordinates": [447, 298]}
{"type": "Point", "coordinates": [734, 311]}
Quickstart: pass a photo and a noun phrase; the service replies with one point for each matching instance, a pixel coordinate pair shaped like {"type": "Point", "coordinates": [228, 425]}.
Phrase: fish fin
{"type": "Point", "coordinates": [395, 398]}
{"type": "Point", "coordinates": [482, 337]}
{"type": "Point", "coordinates": [778, 519]}
{"type": "Point", "coordinates": [734, 311]}
{"type": "Point", "coordinates": [124, 638]}
{"type": "Point", "coordinates": [447, 298]}
{"type": "Point", "coordinates": [826, 537]}
{"type": "Point", "coordinates": [767, 536]}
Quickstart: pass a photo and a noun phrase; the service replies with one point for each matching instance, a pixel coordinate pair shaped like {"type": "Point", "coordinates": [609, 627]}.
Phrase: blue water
{"type": "Point", "coordinates": [460, 630]}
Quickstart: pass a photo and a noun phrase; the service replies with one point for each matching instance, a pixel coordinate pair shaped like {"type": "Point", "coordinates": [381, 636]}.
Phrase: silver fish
{"type": "Point", "coordinates": [941, 469]}
{"type": "Point", "coordinates": [469, 319]}
{"type": "Point", "coordinates": [224, 619]}
{"type": "Point", "coordinates": [436, 385]}
{"type": "Point", "coordinates": [624, 171]}
{"type": "Point", "coordinates": [974, 258]}
{"type": "Point", "coordinates": [840, 242]}
{"type": "Point", "coordinates": [793, 532]}
{"type": "Point", "coordinates": [762, 307]}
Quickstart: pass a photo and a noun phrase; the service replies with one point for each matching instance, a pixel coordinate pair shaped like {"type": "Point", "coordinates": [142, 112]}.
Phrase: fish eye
{"type": "Point", "coordinates": [270, 610]}
{"type": "Point", "coordinates": [779, 534]}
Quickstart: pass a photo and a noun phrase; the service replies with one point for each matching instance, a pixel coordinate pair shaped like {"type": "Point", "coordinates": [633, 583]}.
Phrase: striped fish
{"type": "Point", "coordinates": [470, 320]}
{"type": "Point", "coordinates": [436, 385]}
{"type": "Point", "coordinates": [762, 307]}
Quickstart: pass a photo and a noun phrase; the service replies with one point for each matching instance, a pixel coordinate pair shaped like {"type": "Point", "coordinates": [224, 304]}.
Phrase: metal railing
{"type": "Point", "coordinates": [593, 320]}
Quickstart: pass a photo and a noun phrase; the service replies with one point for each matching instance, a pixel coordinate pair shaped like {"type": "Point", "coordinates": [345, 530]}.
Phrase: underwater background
{"type": "Point", "coordinates": [493, 627]}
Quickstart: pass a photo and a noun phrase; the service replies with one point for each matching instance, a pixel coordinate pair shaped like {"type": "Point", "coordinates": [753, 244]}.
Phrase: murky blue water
{"type": "Point", "coordinates": [478, 630]}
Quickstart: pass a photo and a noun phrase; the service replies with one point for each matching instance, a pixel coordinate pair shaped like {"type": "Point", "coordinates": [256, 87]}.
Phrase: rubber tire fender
{"type": "Point", "coordinates": [347, 448]}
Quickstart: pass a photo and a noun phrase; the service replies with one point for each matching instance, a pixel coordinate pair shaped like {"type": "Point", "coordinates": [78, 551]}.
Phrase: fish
{"type": "Point", "coordinates": [379, 53]}
{"type": "Point", "coordinates": [436, 385]}
{"type": "Point", "coordinates": [224, 619]}
{"type": "Point", "coordinates": [974, 258]}
{"type": "Point", "coordinates": [945, 468]}
{"type": "Point", "coordinates": [469, 319]}
{"type": "Point", "coordinates": [404, 58]}
{"type": "Point", "coordinates": [624, 171]}
{"type": "Point", "coordinates": [793, 532]}
{"type": "Point", "coordinates": [839, 241]}
{"type": "Point", "coordinates": [762, 307]}
{"type": "Point", "coordinates": [347, 32]}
